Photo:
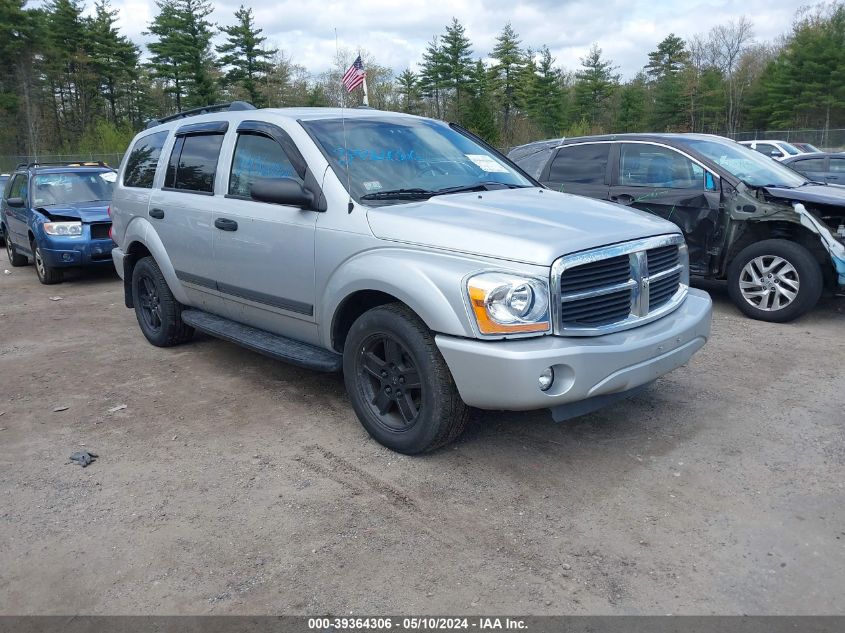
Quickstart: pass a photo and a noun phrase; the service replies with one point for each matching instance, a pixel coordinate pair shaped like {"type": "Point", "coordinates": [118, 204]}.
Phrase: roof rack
{"type": "Point", "coordinates": [64, 163]}
{"type": "Point", "coordinates": [234, 106]}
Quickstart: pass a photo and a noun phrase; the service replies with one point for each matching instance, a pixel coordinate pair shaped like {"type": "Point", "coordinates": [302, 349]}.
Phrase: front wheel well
{"type": "Point", "coordinates": [353, 307]}
{"type": "Point", "coordinates": [134, 252]}
{"type": "Point", "coordinates": [791, 231]}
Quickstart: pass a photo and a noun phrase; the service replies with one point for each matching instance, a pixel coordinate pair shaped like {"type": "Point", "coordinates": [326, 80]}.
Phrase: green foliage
{"type": "Point", "coordinates": [72, 82]}
{"type": "Point", "coordinates": [505, 74]}
{"type": "Point", "coordinates": [594, 87]}
{"type": "Point", "coordinates": [244, 57]}
{"type": "Point", "coordinates": [181, 53]}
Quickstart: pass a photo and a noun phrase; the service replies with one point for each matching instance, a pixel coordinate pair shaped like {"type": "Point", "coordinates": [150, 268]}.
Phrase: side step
{"type": "Point", "coordinates": [272, 345]}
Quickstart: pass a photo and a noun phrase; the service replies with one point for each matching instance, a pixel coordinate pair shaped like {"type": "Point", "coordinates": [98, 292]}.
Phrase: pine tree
{"type": "Point", "coordinates": [458, 66]}
{"type": "Point", "coordinates": [114, 58]}
{"type": "Point", "coordinates": [478, 116]}
{"type": "Point", "coordinates": [406, 83]}
{"type": "Point", "coordinates": [543, 95]}
{"type": "Point", "coordinates": [181, 54]}
{"type": "Point", "coordinates": [510, 61]}
{"type": "Point", "coordinates": [432, 75]}
{"type": "Point", "coordinates": [594, 86]}
{"type": "Point", "coordinates": [664, 69]}
{"type": "Point", "coordinates": [248, 63]}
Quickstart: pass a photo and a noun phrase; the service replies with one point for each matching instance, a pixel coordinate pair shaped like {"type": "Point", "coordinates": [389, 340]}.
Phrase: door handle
{"type": "Point", "coordinates": [623, 198]}
{"type": "Point", "coordinates": [225, 224]}
{"type": "Point", "coordinates": [158, 214]}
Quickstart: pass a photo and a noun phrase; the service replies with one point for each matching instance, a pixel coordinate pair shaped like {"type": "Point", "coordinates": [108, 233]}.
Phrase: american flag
{"type": "Point", "coordinates": [354, 77]}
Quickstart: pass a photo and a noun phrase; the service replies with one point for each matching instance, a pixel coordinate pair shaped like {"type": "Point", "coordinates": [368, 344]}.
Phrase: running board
{"type": "Point", "coordinates": [263, 342]}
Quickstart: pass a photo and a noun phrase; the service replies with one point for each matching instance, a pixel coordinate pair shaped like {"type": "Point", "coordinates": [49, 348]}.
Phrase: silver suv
{"type": "Point", "coordinates": [405, 252]}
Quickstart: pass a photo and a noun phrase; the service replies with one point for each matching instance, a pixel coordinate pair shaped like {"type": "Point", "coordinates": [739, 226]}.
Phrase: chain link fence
{"type": "Point", "coordinates": [8, 163]}
{"type": "Point", "coordinates": [825, 140]}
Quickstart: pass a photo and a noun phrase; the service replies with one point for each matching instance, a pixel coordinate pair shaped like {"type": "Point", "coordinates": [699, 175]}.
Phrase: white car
{"type": "Point", "coordinates": [779, 150]}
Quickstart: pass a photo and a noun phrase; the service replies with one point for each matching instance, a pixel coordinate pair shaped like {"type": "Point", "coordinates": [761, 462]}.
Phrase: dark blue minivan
{"type": "Point", "coordinates": [58, 216]}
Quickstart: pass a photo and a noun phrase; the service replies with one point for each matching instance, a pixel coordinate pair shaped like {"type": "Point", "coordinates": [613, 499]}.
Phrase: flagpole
{"type": "Point", "coordinates": [364, 85]}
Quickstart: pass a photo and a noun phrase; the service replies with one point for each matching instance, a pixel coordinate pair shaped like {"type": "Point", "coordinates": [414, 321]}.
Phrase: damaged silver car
{"type": "Point", "coordinates": [778, 238]}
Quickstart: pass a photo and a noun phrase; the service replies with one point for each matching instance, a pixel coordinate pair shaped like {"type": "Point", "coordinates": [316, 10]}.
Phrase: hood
{"type": "Point", "coordinates": [86, 211]}
{"type": "Point", "coordinates": [820, 194]}
{"type": "Point", "coordinates": [534, 226]}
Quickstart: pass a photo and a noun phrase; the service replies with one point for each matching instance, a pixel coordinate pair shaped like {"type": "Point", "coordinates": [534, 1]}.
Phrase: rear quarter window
{"type": "Point", "coordinates": [143, 160]}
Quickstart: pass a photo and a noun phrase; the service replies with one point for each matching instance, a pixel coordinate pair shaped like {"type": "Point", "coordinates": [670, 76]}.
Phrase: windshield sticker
{"type": "Point", "coordinates": [487, 163]}
{"type": "Point", "coordinates": [109, 176]}
{"type": "Point", "coordinates": [372, 185]}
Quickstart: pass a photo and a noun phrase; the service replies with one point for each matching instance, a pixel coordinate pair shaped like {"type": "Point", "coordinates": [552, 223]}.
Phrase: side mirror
{"type": "Point", "coordinates": [285, 191]}
{"type": "Point", "coordinates": [775, 154]}
{"type": "Point", "coordinates": [15, 202]}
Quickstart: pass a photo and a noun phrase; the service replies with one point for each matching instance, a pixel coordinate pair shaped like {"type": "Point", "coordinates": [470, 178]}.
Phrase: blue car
{"type": "Point", "coordinates": [58, 216]}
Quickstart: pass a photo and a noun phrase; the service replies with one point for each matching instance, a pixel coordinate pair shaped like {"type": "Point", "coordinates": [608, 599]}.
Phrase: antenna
{"type": "Point", "coordinates": [343, 125]}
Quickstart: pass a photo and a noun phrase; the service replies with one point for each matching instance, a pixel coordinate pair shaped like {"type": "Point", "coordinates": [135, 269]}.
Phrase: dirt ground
{"type": "Point", "coordinates": [231, 483]}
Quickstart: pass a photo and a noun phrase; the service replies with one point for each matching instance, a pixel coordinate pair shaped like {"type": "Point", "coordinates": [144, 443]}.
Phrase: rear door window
{"type": "Point", "coordinates": [584, 164]}
{"type": "Point", "coordinates": [193, 163]}
{"type": "Point", "coordinates": [837, 165]}
{"type": "Point", "coordinates": [141, 164]}
{"type": "Point", "coordinates": [18, 187]}
{"type": "Point", "coordinates": [642, 165]}
{"type": "Point", "coordinates": [808, 164]}
{"type": "Point", "coordinates": [257, 156]}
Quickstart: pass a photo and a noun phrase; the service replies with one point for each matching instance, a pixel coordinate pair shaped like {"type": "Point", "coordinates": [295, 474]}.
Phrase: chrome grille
{"type": "Point", "coordinates": [620, 286]}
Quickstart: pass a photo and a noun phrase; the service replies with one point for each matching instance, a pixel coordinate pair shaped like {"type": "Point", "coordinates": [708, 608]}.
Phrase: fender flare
{"type": "Point", "coordinates": [428, 283]}
{"type": "Point", "coordinates": [141, 231]}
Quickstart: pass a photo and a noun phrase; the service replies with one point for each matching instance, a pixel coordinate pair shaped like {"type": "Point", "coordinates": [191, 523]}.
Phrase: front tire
{"type": "Point", "coordinates": [401, 388]}
{"type": "Point", "coordinates": [47, 275]}
{"type": "Point", "coordinates": [775, 280]}
{"type": "Point", "coordinates": [15, 258]}
{"type": "Point", "coordinates": [159, 314]}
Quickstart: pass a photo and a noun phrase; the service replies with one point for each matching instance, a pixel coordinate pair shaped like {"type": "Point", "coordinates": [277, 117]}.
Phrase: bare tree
{"type": "Point", "coordinates": [724, 48]}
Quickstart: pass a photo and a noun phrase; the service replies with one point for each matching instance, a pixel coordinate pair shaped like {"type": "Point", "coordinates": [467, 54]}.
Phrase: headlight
{"type": "Point", "coordinates": [509, 304]}
{"type": "Point", "coordinates": [63, 228]}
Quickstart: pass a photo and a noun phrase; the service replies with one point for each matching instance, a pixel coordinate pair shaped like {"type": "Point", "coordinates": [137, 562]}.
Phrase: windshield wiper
{"type": "Point", "coordinates": [424, 194]}
{"type": "Point", "coordinates": [399, 194]}
{"type": "Point", "coordinates": [488, 185]}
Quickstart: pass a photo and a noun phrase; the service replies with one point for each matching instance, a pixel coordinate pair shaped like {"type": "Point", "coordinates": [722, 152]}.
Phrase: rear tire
{"type": "Point", "coordinates": [47, 275]}
{"type": "Point", "coordinates": [15, 258]}
{"type": "Point", "coordinates": [159, 314]}
{"type": "Point", "coordinates": [401, 388]}
{"type": "Point", "coordinates": [775, 280]}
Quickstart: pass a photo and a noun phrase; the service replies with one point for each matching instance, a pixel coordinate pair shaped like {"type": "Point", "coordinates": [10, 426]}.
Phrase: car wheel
{"type": "Point", "coordinates": [401, 388]}
{"type": "Point", "coordinates": [775, 280]}
{"type": "Point", "coordinates": [159, 314]}
{"type": "Point", "coordinates": [15, 258]}
{"type": "Point", "coordinates": [47, 275]}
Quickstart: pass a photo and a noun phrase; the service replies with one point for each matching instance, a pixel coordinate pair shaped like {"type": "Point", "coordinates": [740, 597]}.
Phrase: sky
{"type": "Point", "coordinates": [395, 33]}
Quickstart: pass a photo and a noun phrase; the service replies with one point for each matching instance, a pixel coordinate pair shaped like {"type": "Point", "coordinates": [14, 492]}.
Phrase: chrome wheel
{"type": "Point", "coordinates": [10, 250]}
{"type": "Point", "coordinates": [769, 283]}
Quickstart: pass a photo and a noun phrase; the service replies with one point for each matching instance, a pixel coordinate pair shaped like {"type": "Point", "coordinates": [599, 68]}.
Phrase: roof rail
{"type": "Point", "coordinates": [234, 106]}
{"type": "Point", "coordinates": [64, 163]}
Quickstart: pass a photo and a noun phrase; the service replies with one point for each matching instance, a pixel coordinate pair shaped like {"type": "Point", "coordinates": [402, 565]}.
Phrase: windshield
{"type": "Point", "coordinates": [392, 160]}
{"type": "Point", "coordinates": [753, 168]}
{"type": "Point", "coordinates": [790, 149]}
{"type": "Point", "coordinates": [72, 187]}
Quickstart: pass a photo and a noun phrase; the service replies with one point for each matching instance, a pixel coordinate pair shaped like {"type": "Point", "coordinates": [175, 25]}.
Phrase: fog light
{"type": "Point", "coordinates": [66, 257]}
{"type": "Point", "coordinates": [547, 377]}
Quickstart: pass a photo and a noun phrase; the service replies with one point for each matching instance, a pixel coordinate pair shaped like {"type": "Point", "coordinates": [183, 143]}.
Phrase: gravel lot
{"type": "Point", "coordinates": [231, 483]}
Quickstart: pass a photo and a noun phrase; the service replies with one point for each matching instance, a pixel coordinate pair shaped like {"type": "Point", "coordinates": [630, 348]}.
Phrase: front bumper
{"type": "Point", "coordinates": [62, 252]}
{"type": "Point", "coordinates": [504, 374]}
